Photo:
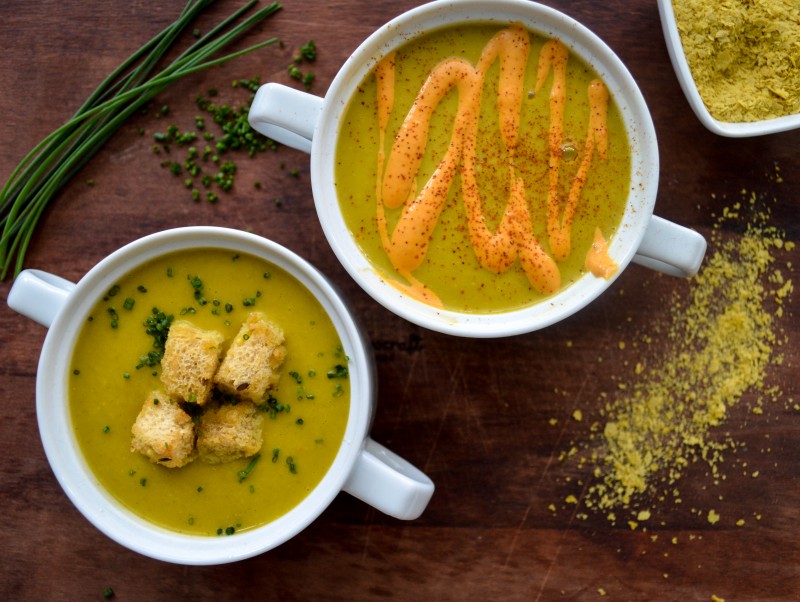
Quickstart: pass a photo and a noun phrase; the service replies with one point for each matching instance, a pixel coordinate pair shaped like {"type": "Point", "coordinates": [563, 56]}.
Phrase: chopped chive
{"type": "Point", "coordinates": [50, 165]}
{"type": "Point", "coordinates": [338, 371]}
{"type": "Point", "coordinates": [243, 474]}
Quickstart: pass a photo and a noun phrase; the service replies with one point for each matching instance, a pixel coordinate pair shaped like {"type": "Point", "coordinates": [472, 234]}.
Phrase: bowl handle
{"type": "Point", "coordinates": [389, 483]}
{"type": "Point", "coordinates": [39, 295]}
{"type": "Point", "coordinates": [671, 249]}
{"type": "Point", "coordinates": [285, 115]}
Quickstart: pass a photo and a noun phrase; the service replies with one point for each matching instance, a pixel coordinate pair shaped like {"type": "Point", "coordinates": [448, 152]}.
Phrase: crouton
{"type": "Point", "coordinates": [250, 368]}
{"type": "Point", "coordinates": [228, 432]}
{"type": "Point", "coordinates": [163, 432]}
{"type": "Point", "coordinates": [191, 357]}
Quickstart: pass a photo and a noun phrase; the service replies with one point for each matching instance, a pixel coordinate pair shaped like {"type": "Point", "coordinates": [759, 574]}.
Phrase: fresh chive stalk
{"type": "Point", "coordinates": [243, 474]}
{"type": "Point", "coordinates": [46, 169]}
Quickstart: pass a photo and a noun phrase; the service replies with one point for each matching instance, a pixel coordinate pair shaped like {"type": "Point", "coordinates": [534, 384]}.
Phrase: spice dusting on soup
{"type": "Point", "coordinates": [209, 392]}
{"type": "Point", "coordinates": [483, 168]}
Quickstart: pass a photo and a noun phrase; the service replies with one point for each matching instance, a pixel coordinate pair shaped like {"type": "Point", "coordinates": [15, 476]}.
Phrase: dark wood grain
{"type": "Point", "coordinates": [474, 414]}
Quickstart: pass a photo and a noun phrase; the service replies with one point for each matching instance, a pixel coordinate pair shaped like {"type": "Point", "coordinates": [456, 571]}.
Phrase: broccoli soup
{"type": "Point", "coordinates": [483, 168]}
{"type": "Point", "coordinates": [209, 391]}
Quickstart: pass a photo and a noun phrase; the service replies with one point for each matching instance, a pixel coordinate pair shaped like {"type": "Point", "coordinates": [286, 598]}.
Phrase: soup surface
{"type": "Point", "coordinates": [483, 168]}
{"type": "Point", "coordinates": [303, 425]}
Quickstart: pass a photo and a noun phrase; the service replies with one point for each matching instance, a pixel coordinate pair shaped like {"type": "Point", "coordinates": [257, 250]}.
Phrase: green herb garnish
{"type": "Point", "coordinates": [309, 51]}
{"type": "Point", "coordinates": [236, 134]}
{"type": "Point", "coordinates": [46, 169]}
{"type": "Point", "coordinates": [157, 326]}
{"type": "Point", "coordinates": [338, 371]}
{"type": "Point", "coordinates": [197, 285]}
{"type": "Point", "coordinates": [273, 406]}
{"type": "Point", "coordinates": [114, 317]}
{"type": "Point", "coordinates": [243, 474]}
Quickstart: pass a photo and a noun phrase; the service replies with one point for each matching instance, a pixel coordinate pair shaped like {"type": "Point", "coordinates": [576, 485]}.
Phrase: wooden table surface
{"type": "Point", "coordinates": [488, 420]}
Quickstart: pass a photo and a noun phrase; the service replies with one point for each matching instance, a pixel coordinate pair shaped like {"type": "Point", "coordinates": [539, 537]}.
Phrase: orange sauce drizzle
{"type": "Point", "coordinates": [513, 238]}
{"type": "Point", "coordinates": [598, 261]}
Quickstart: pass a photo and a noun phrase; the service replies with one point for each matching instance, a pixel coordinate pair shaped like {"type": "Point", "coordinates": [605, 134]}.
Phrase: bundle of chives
{"type": "Point", "coordinates": [55, 160]}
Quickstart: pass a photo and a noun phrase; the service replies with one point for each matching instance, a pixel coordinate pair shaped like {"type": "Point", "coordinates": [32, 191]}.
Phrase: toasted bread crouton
{"type": "Point", "coordinates": [250, 368]}
{"type": "Point", "coordinates": [163, 432]}
{"type": "Point", "coordinates": [228, 432]}
{"type": "Point", "coordinates": [191, 357]}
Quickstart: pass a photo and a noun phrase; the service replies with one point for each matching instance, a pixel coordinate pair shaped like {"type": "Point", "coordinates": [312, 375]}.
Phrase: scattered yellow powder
{"type": "Point", "coordinates": [744, 56]}
{"type": "Point", "coordinates": [716, 598]}
{"type": "Point", "coordinates": [577, 415]}
{"type": "Point", "coordinates": [713, 517]}
{"type": "Point", "coordinates": [719, 343]}
{"type": "Point", "coordinates": [719, 346]}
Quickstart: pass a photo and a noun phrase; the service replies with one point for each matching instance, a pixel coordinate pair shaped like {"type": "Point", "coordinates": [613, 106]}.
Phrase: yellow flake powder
{"type": "Point", "coordinates": [719, 343]}
{"type": "Point", "coordinates": [744, 56]}
{"type": "Point", "coordinates": [713, 517]}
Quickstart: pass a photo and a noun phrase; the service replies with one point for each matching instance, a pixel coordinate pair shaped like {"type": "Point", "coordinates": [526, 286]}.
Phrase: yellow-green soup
{"type": "Point", "coordinates": [214, 289]}
{"type": "Point", "coordinates": [527, 152]}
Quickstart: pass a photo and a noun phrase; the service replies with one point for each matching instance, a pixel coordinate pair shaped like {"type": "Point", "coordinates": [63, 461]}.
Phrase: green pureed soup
{"type": "Point", "coordinates": [303, 423]}
{"type": "Point", "coordinates": [482, 168]}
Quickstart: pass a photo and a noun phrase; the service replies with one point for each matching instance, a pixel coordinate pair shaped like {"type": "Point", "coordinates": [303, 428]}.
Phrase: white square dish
{"type": "Point", "coordinates": [684, 74]}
